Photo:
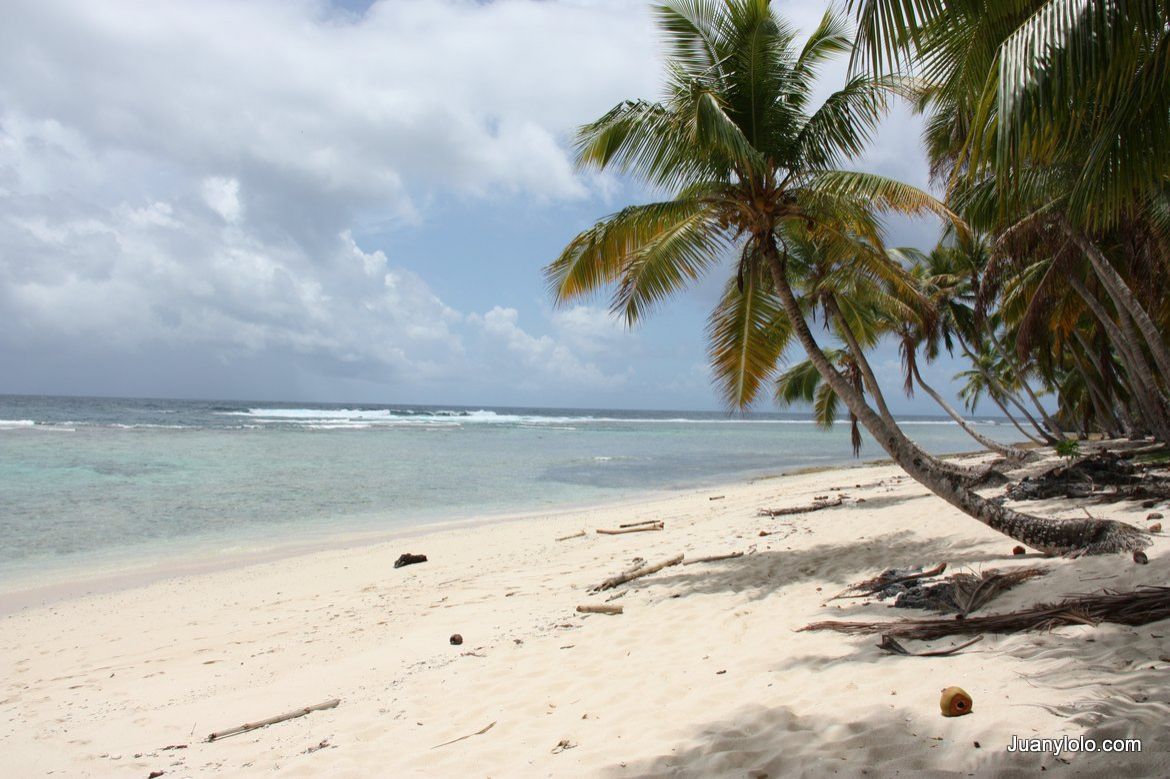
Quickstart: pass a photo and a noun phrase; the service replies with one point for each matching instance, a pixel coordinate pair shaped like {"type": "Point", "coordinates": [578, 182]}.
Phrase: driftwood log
{"type": "Point", "coordinates": [574, 535]}
{"type": "Point", "coordinates": [247, 726]}
{"type": "Point", "coordinates": [643, 522]}
{"type": "Point", "coordinates": [713, 558]}
{"type": "Point", "coordinates": [814, 506]}
{"type": "Point", "coordinates": [600, 608]}
{"type": "Point", "coordinates": [638, 529]}
{"type": "Point", "coordinates": [637, 573]}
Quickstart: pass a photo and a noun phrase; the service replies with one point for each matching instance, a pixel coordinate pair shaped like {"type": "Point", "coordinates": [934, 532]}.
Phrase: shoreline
{"type": "Point", "coordinates": [705, 673]}
{"type": "Point", "coordinates": [62, 582]}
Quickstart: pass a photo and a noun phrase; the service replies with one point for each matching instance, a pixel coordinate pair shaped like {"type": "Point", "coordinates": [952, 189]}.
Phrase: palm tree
{"type": "Point", "coordinates": [753, 168]}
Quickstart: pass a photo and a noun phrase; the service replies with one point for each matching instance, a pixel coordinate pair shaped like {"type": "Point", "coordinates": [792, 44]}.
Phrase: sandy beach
{"type": "Point", "coordinates": [703, 674]}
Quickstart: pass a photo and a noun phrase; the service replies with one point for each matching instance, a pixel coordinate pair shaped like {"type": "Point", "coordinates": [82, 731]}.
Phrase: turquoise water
{"type": "Point", "coordinates": [81, 477]}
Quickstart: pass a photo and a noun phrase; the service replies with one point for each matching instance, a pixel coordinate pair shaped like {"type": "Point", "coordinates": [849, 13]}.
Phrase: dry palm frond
{"type": "Point", "coordinates": [1137, 607]}
{"type": "Point", "coordinates": [971, 592]}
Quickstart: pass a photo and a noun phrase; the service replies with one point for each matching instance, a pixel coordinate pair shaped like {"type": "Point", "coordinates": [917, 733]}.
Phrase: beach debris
{"type": "Point", "coordinates": [1155, 528]}
{"type": "Point", "coordinates": [713, 558]}
{"type": "Point", "coordinates": [155, 774]}
{"type": "Point", "coordinates": [893, 646]}
{"type": "Point", "coordinates": [1140, 558]}
{"type": "Point", "coordinates": [574, 535]}
{"type": "Point", "coordinates": [955, 702]}
{"type": "Point", "coordinates": [479, 732]}
{"type": "Point", "coordinates": [600, 608]}
{"type": "Point", "coordinates": [323, 744]}
{"type": "Point", "coordinates": [1135, 607]}
{"type": "Point", "coordinates": [1089, 477]}
{"type": "Point", "coordinates": [248, 726]}
{"type": "Point", "coordinates": [562, 745]}
{"type": "Point", "coordinates": [717, 497]}
{"type": "Point", "coordinates": [633, 528]}
{"type": "Point", "coordinates": [1154, 515]}
{"type": "Point", "coordinates": [456, 639]}
{"type": "Point", "coordinates": [617, 595]}
{"type": "Point", "coordinates": [961, 593]}
{"type": "Point", "coordinates": [409, 559]}
{"type": "Point", "coordinates": [637, 573]}
{"type": "Point", "coordinates": [1019, 550]}
{"type": "Point", "coordinates": [819, 502]}
{"type": "Point", "coordinates": [887, 579]}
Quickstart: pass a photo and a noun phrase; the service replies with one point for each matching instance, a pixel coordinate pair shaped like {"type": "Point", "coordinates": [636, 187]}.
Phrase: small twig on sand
{"type": "Point", "coordinates": [575, 535]}
{"type": "Point", "coordinates": [815, 506]}
{"type": "Point", "coordinates": [639, 529]}
{"type": "Point", "coordinates": [247, 726]}
{"type": "Point", "coordinates": [469, 735]}
{"type": "Point", "coordinates": [643, 522]}
{"type": "Point", "coordinates": [599, 608]}
{"type": "Point", "coordinates": [713, 558]}
{"type": "Point", "coordinates": [614, 581]}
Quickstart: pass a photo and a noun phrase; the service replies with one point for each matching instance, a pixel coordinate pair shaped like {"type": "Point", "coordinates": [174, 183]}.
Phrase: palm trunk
{"type": "Point", "coordinates": [1094, 379]}
{"type": "Point", "coordinates": [875, 391]}
{"type": "Point", "coordinates": [995, 386]}
{"type": "Point", "coordinates": [1053, 425]}
{"type": "Point", "coordinates": [1140, 377]}
{"type": "Point", "coordinates": [1048, 535]}
{"type": "Point", "coordinates": [1007, 451]}
{"type": "Point", "coordinates": [1124, 297]}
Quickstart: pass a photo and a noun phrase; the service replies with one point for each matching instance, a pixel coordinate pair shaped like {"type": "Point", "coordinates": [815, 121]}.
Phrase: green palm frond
{"type": "Point", "coordinates": [603, 253]}
{"type": "Point", "coordinates": [747, 333]}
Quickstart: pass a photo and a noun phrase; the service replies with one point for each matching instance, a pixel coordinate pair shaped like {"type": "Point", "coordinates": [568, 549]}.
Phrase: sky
{"type": "Point", "coordinates": [340, 201]}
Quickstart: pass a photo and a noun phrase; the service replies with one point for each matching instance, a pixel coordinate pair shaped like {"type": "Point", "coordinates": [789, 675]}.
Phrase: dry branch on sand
{"type": "Point", "coordinates": [599, 608]}
{"type": "Point", "coordinates": [247, 726]}
{"type": "Point", "coordinates": [713, 558]}
{"type": "Point", "coordinates": [1136, 607]}
{"type": "Point", "coordinates": [816, 505]}
{"type": "Point", "coordinates": [634, 529]}
{"type": "Point", "coordinates": [629, 576]}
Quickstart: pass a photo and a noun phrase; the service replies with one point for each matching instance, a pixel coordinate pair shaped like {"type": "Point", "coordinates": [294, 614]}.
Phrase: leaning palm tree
{"type": "Point", "coordinates": [752, 167]}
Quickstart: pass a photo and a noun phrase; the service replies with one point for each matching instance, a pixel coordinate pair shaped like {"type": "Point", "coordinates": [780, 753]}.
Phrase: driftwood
{"type": "Point", "coordinates": [816, 505]}
{"type": "Point", "coordinates": [1136, 607]}
{"type": "Point", "coordinates": [575, 535]}
{"type": "Point", "coordinates": [629, 576]}
{"type": "Point", "coordinates": [247, 726]}
{"type": "Point", "coordinates": [599, 608]}
{"type": "Point", "coordinates": [409, 559]}
{"type": "Point", "coordinates": [643, 522]}
{"type": "Point", "coordinates": [640, 528]}
{"type": "Point", "coordinates": [891, 645]}
{"type": "Point", "coordinates": [713, 558]}
{"type": "Point", "coordinates": [462, 738]}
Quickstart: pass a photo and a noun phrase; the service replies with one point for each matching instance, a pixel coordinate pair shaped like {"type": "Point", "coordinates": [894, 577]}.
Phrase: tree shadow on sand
{"type": "Point", "coordinates": [761, 574]}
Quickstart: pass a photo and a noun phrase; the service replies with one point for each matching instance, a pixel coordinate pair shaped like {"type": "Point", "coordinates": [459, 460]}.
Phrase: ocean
{"type": "Point", "coordinates": [96, 481]}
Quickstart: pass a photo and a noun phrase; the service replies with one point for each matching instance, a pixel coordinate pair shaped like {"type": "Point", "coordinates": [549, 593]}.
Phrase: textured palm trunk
{"type": "Point", "coordinates": [1011, 452]}
{"type": "Point", "coordinates": [1047, 535]}
{"type": "Point", "coordinates": [1121, 293]}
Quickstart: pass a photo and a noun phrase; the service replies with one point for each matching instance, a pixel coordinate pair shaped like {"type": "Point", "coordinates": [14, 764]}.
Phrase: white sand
{"type": "Point", "coordinates": [703, 675]}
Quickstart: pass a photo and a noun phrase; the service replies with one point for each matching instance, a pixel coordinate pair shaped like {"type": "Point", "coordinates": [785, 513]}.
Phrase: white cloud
{"type": "Point", "coordinates": [222, 196]}
{"type": "Point", "coordinates": [541, 359]}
